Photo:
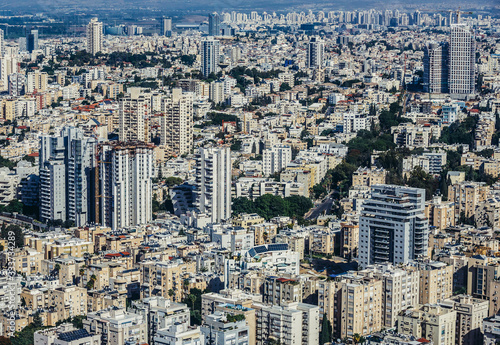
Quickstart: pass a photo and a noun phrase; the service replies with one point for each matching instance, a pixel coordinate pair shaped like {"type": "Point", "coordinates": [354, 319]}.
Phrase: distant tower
{"type": "Point", "coordinates": [166, 27]}
{"type": "Point", "coordinates": [210, 56]}
{"type": "Point", "coordinates": [94, 36]}
{"type": "Point", "coordinates": [32, 40]}
{"type": "Point", "coordinates": [462, 61]}
{"type": "Point", "coordinates": [315, 53]}
{"type": "Point", "coordinates": [436, 68]}
{"type": "Point", "coordinates": [214, 24]}
{"type": "Point", "coordinates": [2, 51]}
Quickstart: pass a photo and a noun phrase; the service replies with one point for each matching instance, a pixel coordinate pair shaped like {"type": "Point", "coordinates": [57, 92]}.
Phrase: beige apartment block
{"type": "Point", "coordinates": [436, 282]}
{"type": "Point", "coordinates": [470, 315]}
{"type": "Point", "coordinates": [352, 303]}
{"type": "Point", "coordinates": [431, 322]}
{"type": "Point", "coordinates": [168, 277]}
{"type": "Point", "coordinates": [369, 176]}
{"type": "Point", "coordinates": [467, 196]}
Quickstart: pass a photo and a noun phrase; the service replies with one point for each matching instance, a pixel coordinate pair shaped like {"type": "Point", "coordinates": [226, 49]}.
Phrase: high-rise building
{"type": "Point", "coordinates": [213, 179]}
{"type": "Point", "coordinates": [315, 53]}
{"type": "Point", "coordinates": [32, 40]}
{"type": "Point", "coordinates": [213, 24]}
{"type": "Point", "coordinates": [276, 159]}
{"type": "Point", "coordinates": [8, 65]}
{"type": "Point", "coordinates": [37, 82]}
{"type": "Point", "coordinates": [177, 122]}
{"type": "Point", "coordinates": [462, 61]}
{"type": "Point", "coordinates": [392, 226]}
{"type": "Point", "coordinates": [166, 27]}
{"type": "Point", "coordinates": [210, 56]}
{"type": "Point", "coordinates": [94, 36]}
{"type": "Point", "coordinates": [2, 48]}
{"type": "Point", "coordinates": [125, 173]}
{"type": "Point", "coordinates": [67, 176]}
{"type": "Point", "coordinates": [133, 121]}
{"type": "Point", "coordinates": [436, 67]}
{"type": "Point", "coordinates": [17, 84]}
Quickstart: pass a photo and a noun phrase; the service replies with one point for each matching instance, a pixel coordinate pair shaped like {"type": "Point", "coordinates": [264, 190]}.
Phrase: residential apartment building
{"type": "Point", "coordinates": [117, 326]}
{"type": "Point", "coordinates": [369, 176]}
{"type": "Point", "coordinates": [177, 122]}
{"type": "Point", "coordinates": [431, 322]}
{"type": "Point", "coordinates": [213, 180]}
{"type": "Point", "coordinates": [352, 303]}
{"type": "Point", "coordinates": [276, 159]}
{"type": "Point", "coordinates": [125, 173]}
{"type": "Point", "coordinates": [470, 315]}
{"type": "Point", "coordinates": [294, 324]}
{"type": "Point", "coordinates": [94, 36]}
{"type": "Point", "coordinates": [462, 60]}
{"type": "Point", "coordinates": [133, 116]}
{"type": "Point", "coordinates": [165, 277]}
{"type": "Point", "coordinates": [67, 177]}
{"type": "Point", "coordinates": [392, 226]}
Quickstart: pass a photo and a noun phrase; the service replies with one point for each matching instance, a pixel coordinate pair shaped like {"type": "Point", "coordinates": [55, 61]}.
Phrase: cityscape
{"type": "Point", "coordinates": [250, 174]}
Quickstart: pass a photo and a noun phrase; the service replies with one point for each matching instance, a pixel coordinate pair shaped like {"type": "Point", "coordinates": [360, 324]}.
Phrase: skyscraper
{"type": "Point", "coordinates": [132, 113]}
{"type": "Point", "coordinates": [210, 56]}
{"type": "Point", "coordinates": [213, 180]}
{"type": "Point", "coordinates": [462, 61]}
{"type": "Point", "coordinates": [2, 49]}
{"type": "Point", "coordinates": [125, 173]}
{"type": "Point", "coordinates": [67, 164]}
{"type": "Point", "coordinates": [32, 40]}
{"type": "Point", "coordinates": [94, 36]}
{"type": "Point", "coordinates": [177, 121]}
{"type": "Point", "coordinates": [213, 24]}
{"type": "Point", "coordinates": [436, 67]}
{"type": "Point", "coordinates": [392, 226]}
{"type": "Point", "coordinates": [315, 53]}
{"type": "Point", "coordinates": [166, 27]}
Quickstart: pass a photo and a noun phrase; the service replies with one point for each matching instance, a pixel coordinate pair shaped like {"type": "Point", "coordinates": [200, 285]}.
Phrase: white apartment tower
{"type": "Point", "coordinates": [210, 56]}
{"type": "Point", "coordinates": [177, 121]}
{"type": "Point", "coordinates": [315, 53]}
{"type": "Point", "coordinates": [392, 226]}
{"type": "Point", "coordinates": [1, 43]}
{"type": "Point", "coordinates": [462, 61]}
{"type": "Point", "coordinates": [133, 120]}
{"type": "Point", "coordinates": [276, 158]}
{"type": "Point", "coordinates": [125, 173]}
{"type": "Point", "coordinates": [94, 36]}
{"type": "Point", "coordinates": [213, 179]}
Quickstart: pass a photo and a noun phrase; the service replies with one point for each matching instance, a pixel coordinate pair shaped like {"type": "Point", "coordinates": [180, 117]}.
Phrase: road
{"type": "Point", "coordinates": [325, 205]}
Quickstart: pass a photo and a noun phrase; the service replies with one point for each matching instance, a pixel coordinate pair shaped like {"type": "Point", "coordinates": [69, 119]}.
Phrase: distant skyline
{"type": "Point", "coordinates": [193, 6]}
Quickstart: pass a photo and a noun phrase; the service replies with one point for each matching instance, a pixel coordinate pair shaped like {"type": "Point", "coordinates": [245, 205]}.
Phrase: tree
{"type": "Point", "coordinates": [13, 231]}
{"type": "Point", "coordinates": [326, 331]}
{"type": "Point", "coordinates": [285, 87]}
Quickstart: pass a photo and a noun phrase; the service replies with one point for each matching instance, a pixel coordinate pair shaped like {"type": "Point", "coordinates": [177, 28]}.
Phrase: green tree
{"type": "Point", "coordinates": [326, 331]}
{"type": "Point", "coordinates": [16, 231]}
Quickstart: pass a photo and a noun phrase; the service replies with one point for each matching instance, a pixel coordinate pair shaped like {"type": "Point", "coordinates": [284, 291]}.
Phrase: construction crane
{"type": "Point", "coordinates": [457, 14]}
